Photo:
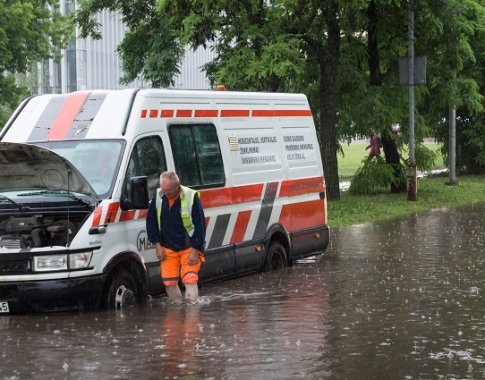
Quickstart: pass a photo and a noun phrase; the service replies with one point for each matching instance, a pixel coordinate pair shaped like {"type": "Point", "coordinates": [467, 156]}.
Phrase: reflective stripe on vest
{"type": "Point", "coordinates": [186, 201]}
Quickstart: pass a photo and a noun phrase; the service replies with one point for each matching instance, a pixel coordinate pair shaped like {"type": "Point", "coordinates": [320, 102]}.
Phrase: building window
{"type": "Point", "coordinates": [71, 67]}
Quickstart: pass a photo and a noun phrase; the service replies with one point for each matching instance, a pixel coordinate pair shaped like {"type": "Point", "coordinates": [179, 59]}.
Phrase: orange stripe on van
{"type": "Point", "coordinates": [112, 211]}
{"type": "Point", "coordinates": [280, 113]}
{"type": "Point", "coordinates": [294, 187]}
{"type": "Point", "coordinates": [231, 195]}
{"type": "Point", "coordinates": [166, 113]}
{"type": "Point", "coordinates": [234, 113]}
{"type": "Point", "coordinates": [127, 215]}
{"type": "Point", "coordinates": [97, 216]}
{"type": "Point", "coordinates": [70, 108]}
{"type": "Point", "coordinates": [143, 214]}
{"type": "Point", "coordinates": [206, 113]}
{"type": "Point", "coordinates": [223, 113]}
{"type": "Point", "coordinates": [184, 113]}
{"type": "Point", "coordinates": [298, 216]}
{"type": "Point", "coordinates": [240, 227]}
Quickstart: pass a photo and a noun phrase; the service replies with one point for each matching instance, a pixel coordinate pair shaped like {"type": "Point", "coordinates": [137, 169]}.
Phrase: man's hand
{"type": "Point", "coordinates": [160, 251]}
{"type": "Point", "coordinates": [193, 257]}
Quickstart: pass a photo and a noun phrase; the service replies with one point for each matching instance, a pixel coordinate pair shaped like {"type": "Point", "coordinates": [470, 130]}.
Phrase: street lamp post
{"type": "Point", "coordinates": [412, 182]}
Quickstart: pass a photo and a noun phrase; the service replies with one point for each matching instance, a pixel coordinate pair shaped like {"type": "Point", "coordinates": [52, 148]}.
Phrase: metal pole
{"type": "Point", "coordinates": [452, 147]}
{"type": "Point", "coordinates": [412, 183]}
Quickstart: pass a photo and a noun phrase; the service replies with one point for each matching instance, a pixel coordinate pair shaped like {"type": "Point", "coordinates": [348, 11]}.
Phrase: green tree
{"type": "Point", "coordinates": [149, 47]}
{"type": "Point", "coordinates": [283, 45]}
{"type": "Point", "coordinates": [451, 35]}
{"type": "Point", "coordinates": [343, 55]}
{"type": "Point", "coordinates": [463, 84]}
{"type": "Point", "coordinates": [30, 31]}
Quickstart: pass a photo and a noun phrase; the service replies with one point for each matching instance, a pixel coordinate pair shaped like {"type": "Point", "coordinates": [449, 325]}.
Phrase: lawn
{"type": "Point", "coordinates": [431, 193]}
{"type": "Point", "coordinates": [354, 153]}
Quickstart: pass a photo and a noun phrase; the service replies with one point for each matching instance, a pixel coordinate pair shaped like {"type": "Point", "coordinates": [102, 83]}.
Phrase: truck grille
{"type": "Point", "coordinates": [14, 267]}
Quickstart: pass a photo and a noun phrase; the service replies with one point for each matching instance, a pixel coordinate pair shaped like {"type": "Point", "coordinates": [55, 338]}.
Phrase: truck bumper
{"type": "Point", "coordinates": [53, 295]}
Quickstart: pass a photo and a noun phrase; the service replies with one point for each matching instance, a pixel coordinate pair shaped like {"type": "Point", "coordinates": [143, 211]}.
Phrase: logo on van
{"type": "Point", "coordinates": [142, 243]}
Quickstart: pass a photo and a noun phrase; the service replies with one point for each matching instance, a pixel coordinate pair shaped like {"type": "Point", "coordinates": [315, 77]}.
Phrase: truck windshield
{"type": "Point", "coordinates": [97, 160]}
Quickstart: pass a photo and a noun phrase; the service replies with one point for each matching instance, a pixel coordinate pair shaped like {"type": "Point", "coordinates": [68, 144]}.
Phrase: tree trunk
{"type": "Point", "coordinates": [372, 45]}
{"type": "Point", "coordinates": [328, 102]}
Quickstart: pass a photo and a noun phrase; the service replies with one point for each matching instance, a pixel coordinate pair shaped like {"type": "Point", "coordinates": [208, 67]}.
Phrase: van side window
{"type": "Point", "coordinates": [197, 155]}
{"type": "Point", "coordinates": [148, 158]}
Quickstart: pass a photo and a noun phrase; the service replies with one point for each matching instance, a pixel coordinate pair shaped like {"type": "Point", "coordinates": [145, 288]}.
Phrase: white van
{"type": "Point", "coordinates": [76, 172]}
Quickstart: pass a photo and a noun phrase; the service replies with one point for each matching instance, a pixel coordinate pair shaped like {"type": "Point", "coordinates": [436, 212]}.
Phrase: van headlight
{"type": "Point", "coordinates": [79, 260]}
{"type": "Point", "coordinates": [51, 262]}
{"type": "Point", "coordinates": [62, 262]}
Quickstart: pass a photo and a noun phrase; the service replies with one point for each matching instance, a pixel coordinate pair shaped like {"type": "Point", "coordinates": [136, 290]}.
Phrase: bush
{"type": "Point", "coordinates": [374, 175]}
{"type": "Point", "coordinates": [425, 158]}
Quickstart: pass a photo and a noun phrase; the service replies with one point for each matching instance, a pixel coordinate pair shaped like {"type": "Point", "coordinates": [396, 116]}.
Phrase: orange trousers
{"type": "Point", "coordinates": [176, 266]}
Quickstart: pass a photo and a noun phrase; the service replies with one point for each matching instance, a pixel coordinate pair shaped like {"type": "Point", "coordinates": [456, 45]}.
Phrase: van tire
{"type": "Point", "coordinates": [276, 258]}
{"type": "Point", "coordinates": [122, 291]}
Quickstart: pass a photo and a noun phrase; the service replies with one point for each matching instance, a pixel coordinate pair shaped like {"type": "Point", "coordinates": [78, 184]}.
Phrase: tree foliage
{"type": "Point", "coordinates": [373, 176]}
{"type": "Point", "coordinates": [343, 55]}
{"type": "Point", "coordinates": [30, 31]}
{"type": "Point", "coordinates": [149, 48]}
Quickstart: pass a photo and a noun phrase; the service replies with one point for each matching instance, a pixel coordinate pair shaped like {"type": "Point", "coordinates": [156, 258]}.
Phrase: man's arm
{"type": "Point", "coordinates": [198, 219]}
{"type": "Point", "coordinates": [153, 231]}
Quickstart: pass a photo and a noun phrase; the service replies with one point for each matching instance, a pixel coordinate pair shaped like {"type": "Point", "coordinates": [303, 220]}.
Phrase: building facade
{"type": "Point", "coordinates": [94, 64]}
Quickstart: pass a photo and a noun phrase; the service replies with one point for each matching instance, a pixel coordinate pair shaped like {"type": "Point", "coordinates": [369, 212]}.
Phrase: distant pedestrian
{"type": "Point", "coordinates": [393, 157]}
{"type": "Point", "coordinates": [375, 144]}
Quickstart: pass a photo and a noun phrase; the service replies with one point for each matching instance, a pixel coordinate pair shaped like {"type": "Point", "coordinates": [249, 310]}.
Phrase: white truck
{"type": "Point", "coordinates": [77, 170]}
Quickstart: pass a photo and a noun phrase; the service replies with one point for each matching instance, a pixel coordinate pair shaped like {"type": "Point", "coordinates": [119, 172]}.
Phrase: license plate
{"type": "Point", "coordinates": [4, 307]}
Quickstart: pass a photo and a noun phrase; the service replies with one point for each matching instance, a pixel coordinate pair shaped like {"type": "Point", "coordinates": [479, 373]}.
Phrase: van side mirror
{"type": "Point", "coordinates": [135, 194]}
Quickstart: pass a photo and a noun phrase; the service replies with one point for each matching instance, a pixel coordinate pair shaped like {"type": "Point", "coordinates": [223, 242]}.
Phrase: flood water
{"type": "Point", "coordinates": [396, 300]}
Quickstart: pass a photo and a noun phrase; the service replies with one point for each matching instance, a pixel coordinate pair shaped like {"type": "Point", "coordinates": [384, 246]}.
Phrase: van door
{"type": "Point", "coordinates": [199, 165]}
{"type": "Point", "coordinates": [147, 159]}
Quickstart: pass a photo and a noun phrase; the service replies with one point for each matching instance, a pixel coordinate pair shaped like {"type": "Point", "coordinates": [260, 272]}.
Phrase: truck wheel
{"type": "Point", "coordinates": [277, 257]}
{"type": "Point", "coordinates": [122, 292]}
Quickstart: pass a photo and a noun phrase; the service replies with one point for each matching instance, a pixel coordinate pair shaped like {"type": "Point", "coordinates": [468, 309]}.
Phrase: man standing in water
{"type": "Point", "coordinates": [176, 227]}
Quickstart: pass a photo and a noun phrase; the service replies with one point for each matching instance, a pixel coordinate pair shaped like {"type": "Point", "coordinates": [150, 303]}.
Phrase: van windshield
{"type": "Point", "coordinates": [97, 160]}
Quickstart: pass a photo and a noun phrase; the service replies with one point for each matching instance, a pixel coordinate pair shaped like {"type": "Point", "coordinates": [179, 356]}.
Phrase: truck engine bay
{"type": "Point", "coordinates": [44, 199]}
{"type": "Point", "coordinates": [49, 223]}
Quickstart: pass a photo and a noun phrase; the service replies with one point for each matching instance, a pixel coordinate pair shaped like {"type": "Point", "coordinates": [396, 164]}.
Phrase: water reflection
{"type": "Point", "coordinates": [402, 299]}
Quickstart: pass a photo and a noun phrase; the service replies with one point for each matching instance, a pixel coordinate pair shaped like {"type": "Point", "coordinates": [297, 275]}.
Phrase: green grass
{"type": "Point", "coordinates": [354, 153]}
{"type": "Point", "coordinates": [351, 158]}
{"type": "Point", "coordinates": [432, 193]}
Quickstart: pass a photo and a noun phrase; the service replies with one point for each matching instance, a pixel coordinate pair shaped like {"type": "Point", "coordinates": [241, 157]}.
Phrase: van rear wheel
{"type": "Point", "coordinates": [122, 292]}
{"type": "Point", "coordinates": [277, 258]}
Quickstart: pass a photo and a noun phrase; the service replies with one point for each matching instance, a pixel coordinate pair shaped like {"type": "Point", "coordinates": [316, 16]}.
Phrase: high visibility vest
{"type": "Point", "coordinates": [186, 202]}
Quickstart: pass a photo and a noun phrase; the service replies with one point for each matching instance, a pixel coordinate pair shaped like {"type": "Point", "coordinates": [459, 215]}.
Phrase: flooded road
{"type": "Point", "coordinates": [396, 300]}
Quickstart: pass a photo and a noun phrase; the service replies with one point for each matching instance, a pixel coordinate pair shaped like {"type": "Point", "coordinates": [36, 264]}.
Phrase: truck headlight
{"type": "Point", "coordinates": [49, 263]}
{"type": "Point", "coordinates": [72, 261]}
{"type": "Point", "coordinates": [79, 260]}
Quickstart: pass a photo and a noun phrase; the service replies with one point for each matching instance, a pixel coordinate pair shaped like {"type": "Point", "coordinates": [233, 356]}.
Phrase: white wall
{"type": "Point", "coordinates": [98, 65]}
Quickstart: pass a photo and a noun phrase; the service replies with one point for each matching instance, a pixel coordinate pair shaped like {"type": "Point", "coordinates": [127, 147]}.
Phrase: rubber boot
{"type": "Point", "coordinates": [174, 294]}
{"type": "Point", "coordinates": [191, 293]}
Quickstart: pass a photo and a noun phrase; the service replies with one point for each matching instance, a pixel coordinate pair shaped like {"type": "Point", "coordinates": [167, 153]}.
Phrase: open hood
{"type": "Point", "coordinates": [24, 166]}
